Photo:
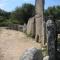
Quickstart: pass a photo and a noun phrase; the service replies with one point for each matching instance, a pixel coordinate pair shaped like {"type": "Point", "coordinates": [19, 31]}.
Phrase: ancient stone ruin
{"type": "Point", "coordinates": [32, 54]}
{"type": "Point", "coordinates": [51, 38]}
{"type": "Point", "coordinates": [44, 32]}
{"type": "Point", "coordinates": [39, 19]}
{"type": "Point", "coordinates": [36, 24]}
{"type": "Point", "coordinates": [31, 27]}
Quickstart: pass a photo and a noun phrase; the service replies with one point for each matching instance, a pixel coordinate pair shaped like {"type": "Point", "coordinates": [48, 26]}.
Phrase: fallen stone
{"type": "Point", "coordinates": [32, 54]}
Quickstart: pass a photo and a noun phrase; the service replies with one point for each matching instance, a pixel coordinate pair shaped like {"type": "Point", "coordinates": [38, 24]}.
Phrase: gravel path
{"type": "Point", "coordinates": [14, 43]}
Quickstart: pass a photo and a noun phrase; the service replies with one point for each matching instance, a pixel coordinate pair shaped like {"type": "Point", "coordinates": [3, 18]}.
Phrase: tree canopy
{"type": "Point", "coordinates": [54, 11]}
{"type": "Point", "coordinates": [22, 14]}
{"type": "Point", "coordinates": [19, 16]}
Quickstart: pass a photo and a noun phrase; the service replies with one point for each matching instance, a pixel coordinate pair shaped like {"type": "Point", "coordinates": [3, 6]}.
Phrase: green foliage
{"type": "Point", "coordinates": [29, 35]}
{"type": "Point", "coordinates": [4, 14]}
{"type": "Point", "coordinates": [19, 16]}
{"type": "Point", "coordinates": [22, 14]}
{"type": "Point", "coordinates": [54, 11]}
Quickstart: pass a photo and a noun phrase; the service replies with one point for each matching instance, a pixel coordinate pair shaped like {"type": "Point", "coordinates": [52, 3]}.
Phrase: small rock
{"type": "Point", "coordinates": [46, 58]}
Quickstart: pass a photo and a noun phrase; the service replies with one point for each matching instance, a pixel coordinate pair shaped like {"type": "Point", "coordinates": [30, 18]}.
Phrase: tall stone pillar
{"type": "Point", "coordinates": [39, 18]}
{"type": "Point", "coordinates": [51, 38]}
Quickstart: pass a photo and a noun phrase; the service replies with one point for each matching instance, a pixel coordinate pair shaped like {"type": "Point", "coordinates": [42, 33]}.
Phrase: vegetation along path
{"type": "Point", "coordinates": [14, 43]}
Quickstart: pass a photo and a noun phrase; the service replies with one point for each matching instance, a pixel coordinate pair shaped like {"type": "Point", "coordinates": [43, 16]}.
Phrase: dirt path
{"type": "Point", "coordinates": [13, 44]}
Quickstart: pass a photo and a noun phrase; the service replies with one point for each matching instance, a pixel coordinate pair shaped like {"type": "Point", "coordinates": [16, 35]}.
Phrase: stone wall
{"type": "Point", "coordinates": [16, 27]}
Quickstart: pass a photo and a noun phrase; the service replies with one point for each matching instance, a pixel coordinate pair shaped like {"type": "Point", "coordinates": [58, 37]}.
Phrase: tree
{"type": "Point", "coordinates": [4, 14]}
{"type": "Point", "coordinates": [22, 14]}
{"type": "Point", "coordinates": [54, 11]}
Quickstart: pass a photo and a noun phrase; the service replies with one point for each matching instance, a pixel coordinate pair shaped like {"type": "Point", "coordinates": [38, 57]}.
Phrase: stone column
{"type": "Point", "coordinates": [24, 27]}
{"type": "Point", "coordinates": [51, 38]}
{"type": "Point", "coordinates": [31, 27]}
{"type": "Point", "coordinates": [39, 21]}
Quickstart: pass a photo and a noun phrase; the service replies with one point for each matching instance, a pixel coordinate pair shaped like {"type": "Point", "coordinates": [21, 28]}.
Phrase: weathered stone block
{"type": "Point", "coordinates": [31, 27]}
{"type": "Point", "coordinates": [32, 54]}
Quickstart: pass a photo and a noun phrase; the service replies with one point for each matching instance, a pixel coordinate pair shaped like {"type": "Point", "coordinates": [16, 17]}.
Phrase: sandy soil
{"type": "Point", "coordinates": [14, 43]}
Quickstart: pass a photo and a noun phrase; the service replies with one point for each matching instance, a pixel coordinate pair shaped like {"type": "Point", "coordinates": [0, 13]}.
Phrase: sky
{"type": "Point", "coordinates": [10, 5]}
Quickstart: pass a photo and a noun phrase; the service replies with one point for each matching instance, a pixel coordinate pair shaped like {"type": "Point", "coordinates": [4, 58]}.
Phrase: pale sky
{"type": "Point", "coordinates": [10, 5]}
